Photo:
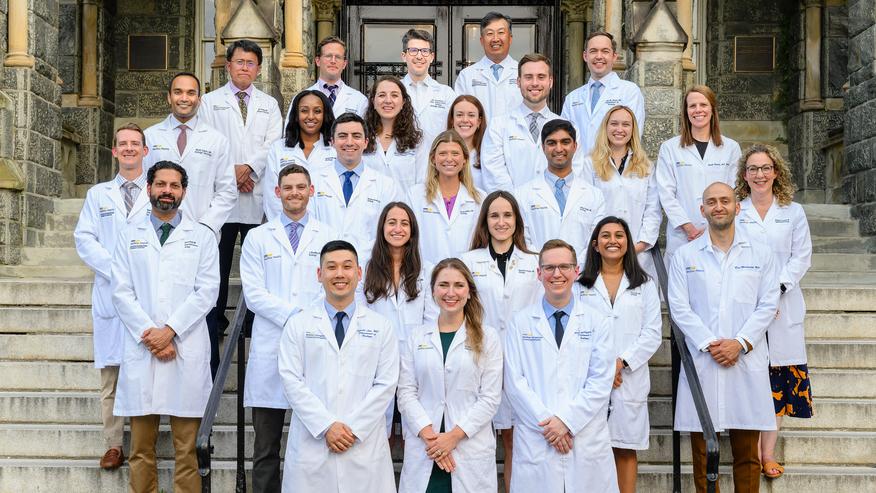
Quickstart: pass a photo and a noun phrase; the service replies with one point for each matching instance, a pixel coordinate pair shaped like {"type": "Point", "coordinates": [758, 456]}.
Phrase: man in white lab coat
{"type": "Point", "coordinates": [511, 152]}
{"type": "Point", "coordinates": [493, 78]}
{"type": "Point", "coordinates": [559, 369]}
{"type": "Point", "coordinates": [587, 105]}
{"type": "Point", "coordinates": [330, 61]}
{"type": "Point", "coordinates": [165, 276]}
{"type": "Point", "coordinates": [339, 363]}
{"type": "Point", "coordinates": [431, 100]}
{"type": "Point", "coordinates": [723, 293]}
{"type": "Point", "coordinates": [277, 269]}
{"type": "Point", "coordinates": [109, 208]}
{"type": "Point", "coordinates": [251, 121]}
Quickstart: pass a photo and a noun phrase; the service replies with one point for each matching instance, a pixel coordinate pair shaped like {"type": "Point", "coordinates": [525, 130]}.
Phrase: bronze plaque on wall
{"type": "Point", "coordinates": [147, 52]}
{"type": "Point", "coordinates": [754, 53]}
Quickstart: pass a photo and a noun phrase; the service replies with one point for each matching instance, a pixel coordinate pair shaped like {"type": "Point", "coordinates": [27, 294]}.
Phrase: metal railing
{"type": "Point", "coordinates": [680, 353]}
{"type": "Point", "coordinates": [204, 447]}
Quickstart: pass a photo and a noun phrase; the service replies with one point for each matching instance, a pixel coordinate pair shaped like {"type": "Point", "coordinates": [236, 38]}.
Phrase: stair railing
{"type": "Point", "coordinates": [680, 353]}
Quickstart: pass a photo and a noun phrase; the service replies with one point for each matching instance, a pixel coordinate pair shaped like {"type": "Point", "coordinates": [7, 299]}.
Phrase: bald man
{"type": "Point", "coordinates": [723, 292]}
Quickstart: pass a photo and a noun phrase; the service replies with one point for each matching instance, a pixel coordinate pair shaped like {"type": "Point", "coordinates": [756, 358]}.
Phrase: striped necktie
{"type": "Point", "coordinates": [128, 189]}
{"type": "Point", "coordinates": [241, 103]}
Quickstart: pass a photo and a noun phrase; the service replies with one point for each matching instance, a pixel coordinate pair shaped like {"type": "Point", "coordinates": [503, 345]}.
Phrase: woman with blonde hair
{"type": "Point", "coordinates": [466, 116]}
{"type": "Point", "coordinates": [765, 190]}
{"type": "Point", "coordinates": [447, 203]}
{"type": "Point", "coordinates": [620, 168]}
{"type": "Point", "coordinates": [448, 391]}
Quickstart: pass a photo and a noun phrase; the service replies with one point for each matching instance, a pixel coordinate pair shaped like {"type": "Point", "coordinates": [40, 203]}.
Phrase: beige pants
{"type": "Point", "coordinates": [144, 470]}
{"type": "Point", "coordinates": [113, 426]}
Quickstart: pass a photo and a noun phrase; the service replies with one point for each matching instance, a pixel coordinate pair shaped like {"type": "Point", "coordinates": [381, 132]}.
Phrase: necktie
{"type": "Point", "coordinates": [241, 103]}
{"type": "Point", "coordinates": [595, 90]}
{"type": "Point", "coordinates": [497, 70]}
{"type": "Point", "coordinates": [620, 169]}
{"type": "Point", "coordinates": [339, 328]}
{"type": "Point", "coordinates": [165, 233]}
{"type": "Point", "coordinates": [128, 188]}
{"type": "Point", "coordinates": [533, 125]}
{"type": "Point", "coordinates": [558, 326]}
{"type": "Point", "coordinates": [182, 138]}
{"type": "Point", "coordinates": [560, 194]}
{"type": "Point", "coordinates": [293, 236]}
{"type": "Point", "coordinates": [333, 92]}
{"type": "Point", "coordinates": [348, 186]}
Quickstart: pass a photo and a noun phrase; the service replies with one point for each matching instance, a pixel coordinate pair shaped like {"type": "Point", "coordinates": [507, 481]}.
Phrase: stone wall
{"type": "Point", "coordinates": [294, 80]}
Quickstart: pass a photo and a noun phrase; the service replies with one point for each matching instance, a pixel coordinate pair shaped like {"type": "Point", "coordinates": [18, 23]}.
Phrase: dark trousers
{"type": "Point", "coordinates": [746, 465]}
{"type": "Point", "coordinates": [216, 320]}
{"type": "Point", "coordinates": [268, 426]}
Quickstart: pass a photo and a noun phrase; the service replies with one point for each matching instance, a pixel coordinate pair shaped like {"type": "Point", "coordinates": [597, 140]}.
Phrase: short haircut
{"type": "Point", "coordinates": [555, 125]}
{"type": "Point", "coordinates": [130, 126]}
{"type": "Point", "coordinates": [420, 34]}
{"type": "Point", "coordinates": [336, 246]}
{"type": "Point", "coordinates": [247, 46]}
{"type": "Point", "coordinates": [329, 40]}
{"type": "Point", "coordinates": [292, 169]}
{"type": "Point", "coordinates": [160, 165]}
{"type": "Point", "coordinates": [534, 57]}
{"type": "Point", "coordinates": [347, 118]}
{"type": "Point", "coordinates": [594, 34]}
{"type": "Point", "coordinates": [494, 16]}
{"type": "Point", "coordinates": [556, 243]}
{"type": "Point", "coordinates": [183, 74]}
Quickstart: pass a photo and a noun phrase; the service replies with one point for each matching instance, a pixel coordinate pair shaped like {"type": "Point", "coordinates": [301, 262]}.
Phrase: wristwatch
{"type": "Point", "coordinates": [783, 288]}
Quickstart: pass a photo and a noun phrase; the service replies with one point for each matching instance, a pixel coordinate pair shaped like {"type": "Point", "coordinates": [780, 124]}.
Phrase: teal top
{"type": "Point", "coordinates": [446, 340]}
{"type": "Point", "coordinates": [439, 481]}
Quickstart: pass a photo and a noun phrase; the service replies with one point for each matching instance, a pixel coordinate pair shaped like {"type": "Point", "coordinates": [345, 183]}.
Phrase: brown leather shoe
{"type": "Point", "coordinates": [112, 459]}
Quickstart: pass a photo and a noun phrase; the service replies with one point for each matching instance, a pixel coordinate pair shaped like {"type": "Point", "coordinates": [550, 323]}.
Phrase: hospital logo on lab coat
{"type": "Point", "coordinates": [693, 268]}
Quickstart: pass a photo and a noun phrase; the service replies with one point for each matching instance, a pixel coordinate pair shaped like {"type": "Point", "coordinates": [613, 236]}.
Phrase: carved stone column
{"type": "Point", "coordinates": [613, 21]}
{"type": "Point", "coordinates": [684, 10]}
{"type": "Point", "coordinates": [577, 13]}
{"type": "Point", "coordinates": [223, 13]}
{"type": "Point", "coordinates": [325, 10]}
{"type": "Point", "coordinates": [812, 99]}
{"type": "Point", "coordinates": [88, 91]}
{"type": "Point", "coordinates": [16, 23]}
{"type": "Point", "coordinates": [293, 56]}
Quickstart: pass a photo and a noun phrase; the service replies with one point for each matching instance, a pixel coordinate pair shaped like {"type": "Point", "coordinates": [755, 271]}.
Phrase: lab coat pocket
{"type": "Point", "coordinates": [745, 287]}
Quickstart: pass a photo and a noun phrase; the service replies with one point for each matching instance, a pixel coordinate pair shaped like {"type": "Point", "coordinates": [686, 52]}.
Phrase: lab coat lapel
{"type": "Point", "coordinates": [577, 189]}
{"type": "Point", "coordinates": [326, 325]}
{"type": "Point", "coordinates": [365, 181]}
{"type": "Point", "coordinates": [194, 137]}
{"type": "Point", "coordinates": [140, 203]}
{"type": "Point", "coordinates": [180, 232]}
{"type": "Point", "coordinates": [231, 99]}
{"type": "Point", "coordinates": [114, 192]}
{"type": "Point", "coordinates": [462, 197]}
{"type": "Point", "coordinates": [333, 182]}
{"type": "Point", "coordinates": [541, 188]}
{"type": "Point", "coordinates": [542, 325]}
{"type": "Point", "coordinates": [146, 229]}
{"type": "Point", "coordinates": [280, 236]}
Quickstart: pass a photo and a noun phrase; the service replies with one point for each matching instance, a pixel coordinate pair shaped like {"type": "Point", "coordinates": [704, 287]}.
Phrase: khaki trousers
{"type": "Point", "coordinates": [746, 465]}
{"type": "Point", "coordinates": [113, 426]}
{"type": "Point", "coordinates": [144, 470]}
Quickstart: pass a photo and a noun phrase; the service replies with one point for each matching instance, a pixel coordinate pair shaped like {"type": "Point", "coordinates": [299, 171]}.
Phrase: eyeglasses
{"type": "Point", "coordinates": [334, 57]}
{"type": "Point", "coordinates": [564, 268]}
{"type": "Point", "coordinates": [415, 51]}
{"type": "Point", "coordinates": [752, 170]}
{"type": "Point", "coordinates": [240, 63]}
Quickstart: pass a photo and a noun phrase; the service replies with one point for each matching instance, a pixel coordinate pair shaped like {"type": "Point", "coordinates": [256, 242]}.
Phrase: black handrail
{"type": "Point", "coordinates": [681, 353]}
{"type": "Point", "coordinates": [204, 448]}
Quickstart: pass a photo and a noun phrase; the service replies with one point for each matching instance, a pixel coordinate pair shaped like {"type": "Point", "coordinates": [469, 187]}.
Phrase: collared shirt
{"type": "Point", "coordinates": [350, 310]}
{"type": "Point", "coordinates": [320, 83]}
{"type": "Point", "coordinates": [551, 180]}
{"type": "Point", "coordinates": [286, 221]}
{"type": "Point", "coordinates": [500, 258]}
{"type": "Point", "coordinates": [340, 169]}
{"type": "Point", "coordinates": [419, 91]}
{"type": "Point", "coordinates": [158, 223]}
{"type": "Point", "coordinates": [549, 311]}
{"type": "Point", "coordinates": [192, 124]}
{"type": "Point", "coordinates": [140, 183]}
{"type": "Point", "coordinates": [234, 90]}
{"type": "Point", "coordinates": [546, 115]}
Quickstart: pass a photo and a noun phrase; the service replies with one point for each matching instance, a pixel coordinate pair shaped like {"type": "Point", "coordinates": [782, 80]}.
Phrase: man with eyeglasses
{"type": "Point", "coordinates": [493, 79]}
{"type": "Point", "coordinates": [430, 99]}
{"type": "Point", "coordinates": [251, 120]}
{"type": "Point", "coordinates": [559, 371]}
{"type": "Point", "coordinates": [331, 60]}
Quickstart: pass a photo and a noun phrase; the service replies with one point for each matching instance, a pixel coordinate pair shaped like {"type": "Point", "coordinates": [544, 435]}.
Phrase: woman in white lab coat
{"type": "Point", "coordinates": [447, 204]}
{"type": "Point", "coordinates": [395, 148]}
{"type": "Point", "coordinates": [394, 284]}
{"type": "Point", "coordinates": [614, 285]}
{"type": "Point", "coordinates": [306, 142]}
{"type": "Point", "coordinates": [765, 188]}
{"type": "Point", "coordinates": [466, 116]}
{"type": "Point", "coordinates": [449, 387]}
{"type": "Point", "coordinates": [620, 168]}
{"type": "Point", "coordinates": [504, 271]}
{"type": "Point", "coordinates": [688, 163]}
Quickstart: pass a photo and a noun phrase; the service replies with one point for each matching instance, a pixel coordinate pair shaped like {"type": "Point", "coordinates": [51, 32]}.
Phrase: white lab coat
{"type": "Point", "coordinates": [477, 173]}
{"type": "Point", "coordinates": [212, 190]}
{"type": "Point", "coordinates": [353, 385]}
{"type": "Point", "coordinates": [498, 97]}
{"type": "Point", "coordinates": [348, 100]}
{"type": "Point", "coordinates": [503, 296]}
{"type": "Point", "coordinates": [615, 91]}
{"type": "Point", "coordinates": [712, 300]}
{"type": "Point", "coordinates": [572, 382]}
{"type": "Point", "coordinates": [785, 231]}
{"type": "Point", "coordinates": [279, 156]}
{"type": "Point", "coordinates": [248, 142]}
{"type": "Point", "coordinates": [101, 222]}
{"type": "Point", "coordinates": [635, 321]}
{"type": "Point", "coordinates": [443, 237]}
{"type": "Point", "coordinates": [277, 283]}
{"type": "Point", "coordinates": [510, 156]}
{"type": "Point", "coordinates": [357, 221]}
{"type": "Point", "coordinates": [462, 392]}
{"type": "Point", "coordinates": [406, 168]}
{"type": "Point", "coordinates": [176, 285]}
{"type": "Point", "coordinates": [682, 176]}
{"type": "Point", "coordinates": [431, 105]}
{"type": "Point", "coordinates": [585, 206]}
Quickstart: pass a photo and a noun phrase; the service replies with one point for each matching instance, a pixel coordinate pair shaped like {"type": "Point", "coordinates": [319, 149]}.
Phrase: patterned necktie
{"type": "Point", "coordinates": [348, 186]}
{"type": "Point", "coordinates": [182, 139]}
{"type": "Point", "coordinates": [293, 236]}
{"type": "Point", "coordinates": [558, 326]}
{"type": "Point", "coordinates": [533, 126]}
{"type": "Point", "coordinates": [333, 92]}
{"type": "Point", "coordinates": [165, 233]}
{"type": "Point", "coordinates": [128, 189]}
{"type": "Point", "coordinates": [595, 91]}
{"type": "Point", "coordinates": [497, 70]}
{"type": "Point", "coordinates": [241, 103]}
{"type": "Point", "coordinates": [560, 194]}
{"type": "Point", "coordinates": [339, 328]}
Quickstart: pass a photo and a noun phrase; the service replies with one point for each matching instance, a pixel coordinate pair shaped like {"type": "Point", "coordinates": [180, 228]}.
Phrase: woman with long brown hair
{"type": "Point", "coordinates": [449, 388]}
{"type": "Point", "coordinates": [466, 116]}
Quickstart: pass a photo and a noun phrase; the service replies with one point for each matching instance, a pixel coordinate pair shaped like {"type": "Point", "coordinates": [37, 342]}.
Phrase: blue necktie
{"type": "Point", "coordinates": [497, 70]}
{"type": "Point", "coordinates": [348, 186]}
{"type": "Point", "coordinates": [333, 92]}
{"type": "Point", "coordinates": [558, 326]}
{"type": "Point", "coordinates": [339, 328]}
{"type": "Point", "coordinates": [560, 194]}
{"type": "Point", "coordinates": [595, 89]}
{"type": "Point", "coordinates": [293, 236]}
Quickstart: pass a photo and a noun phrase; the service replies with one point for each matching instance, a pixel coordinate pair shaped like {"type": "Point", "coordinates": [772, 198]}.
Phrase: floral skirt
{"type": "Point", "coordinates": [791, 391]}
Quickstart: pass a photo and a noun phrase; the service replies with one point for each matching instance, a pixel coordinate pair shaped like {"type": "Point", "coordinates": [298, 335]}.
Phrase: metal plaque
{"type": "Point", "coordinates": [754, 53]}
{"type": "Point", "coordinates": [147, 52]}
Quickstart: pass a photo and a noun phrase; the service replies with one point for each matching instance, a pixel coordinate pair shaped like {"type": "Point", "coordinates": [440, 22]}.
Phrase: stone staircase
{"type": "Point", "coordinates": [50, 432]}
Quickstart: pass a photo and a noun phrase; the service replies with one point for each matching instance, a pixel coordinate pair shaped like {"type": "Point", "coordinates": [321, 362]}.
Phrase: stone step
{"type": "Point", "coordinates": [62, 221]}
{"type": "Point", "coordinates": [842, 262]}
{"type": "Point", "coordinates": [68, 206]}
{"type": "Point", "coordinates": [63, 292]}
{"type": "Point", "coordinates": [50, 256]}
{"type": "Point", "coordinates": [822, 353]}
{"type": "Point", "coordinates": [58, 239]}
{"type": "Point", "coordinates": [65, 320]}
{"type": "Point", "coordinates": [840, 298]}
{"type": "Point", "coordinates": [827, 211]}
{"type": "Point", "coordinates": [864, 278]}
{"type": "Point", "coordinates": [841, 244]}
{"type": "Point", "coordinates": [49, 272]}
{"type": "Point", "coordinates": [833, 227]}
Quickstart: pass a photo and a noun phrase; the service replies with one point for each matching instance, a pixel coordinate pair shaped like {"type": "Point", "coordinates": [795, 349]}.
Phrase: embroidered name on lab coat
{"type": "Point", "coordinates": [747, 268]}
{"type": "Point", "coordinates": [532, 337]}
{"type": "Point", "coordinates": [138, 244]}
{"type": "Point", "coordinates": [613, 102]}
{"type": "Point", "coordinates": [512, 82]}
{"type": "Point", "coordinates": [583, 335]}
{"type": "Point", "coordinates": [476, 83]}
{"type": "Point", "coordinates": [190, 244]}
{"type": "Point", "coordinates": [263, 110]}
{"type": "Point", "coordinates": [313, 335]}
{"type": "Point", "coordinates": [217, 107]}
{"type": "Point", "coordinates": [107, 211]}
{"type": "Point", "coordinates": [712, 165]}
{"type": "Point", "coordinates": [577, 103]}
{"type": "Point", "coordinates": [204, 152]}
{"type": "Point", "coordinates": [367, 333]}
{"type": "Point", "coordinates": [437, 103]}
{"type": "Point", "coordinates": [783, 221]}
{"type": "Point", "coordinates": [372, 200]}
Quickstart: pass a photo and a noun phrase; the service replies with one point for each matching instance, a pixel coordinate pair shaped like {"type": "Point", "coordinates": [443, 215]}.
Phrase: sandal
{"type": "Point", "coordinates": [772, 465]}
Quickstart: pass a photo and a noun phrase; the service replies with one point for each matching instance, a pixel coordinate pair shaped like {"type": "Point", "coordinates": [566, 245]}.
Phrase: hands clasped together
{"type": "Point", "coordinates": [557, 434]}
{"type": "Point", "coordinates": [439, 446]}
{"type": "Point", "coordinates": [160, 342]}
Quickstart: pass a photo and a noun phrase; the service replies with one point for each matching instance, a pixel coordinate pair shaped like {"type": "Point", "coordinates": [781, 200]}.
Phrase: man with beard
{"type": "Point", "coordinates": [723, 292]}
{"type": "Point", "coordinates": [165, 277]}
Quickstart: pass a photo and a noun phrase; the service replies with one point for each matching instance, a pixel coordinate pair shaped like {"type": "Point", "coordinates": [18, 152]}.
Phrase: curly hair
{"type": "Point", "coordinates": [405, 130]}
{"type": "Point", "coordinates": [783, 185]}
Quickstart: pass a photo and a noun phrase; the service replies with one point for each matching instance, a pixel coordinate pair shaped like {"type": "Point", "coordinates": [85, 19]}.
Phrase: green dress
{"type": "Point", "coordinates": [439, 481]}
